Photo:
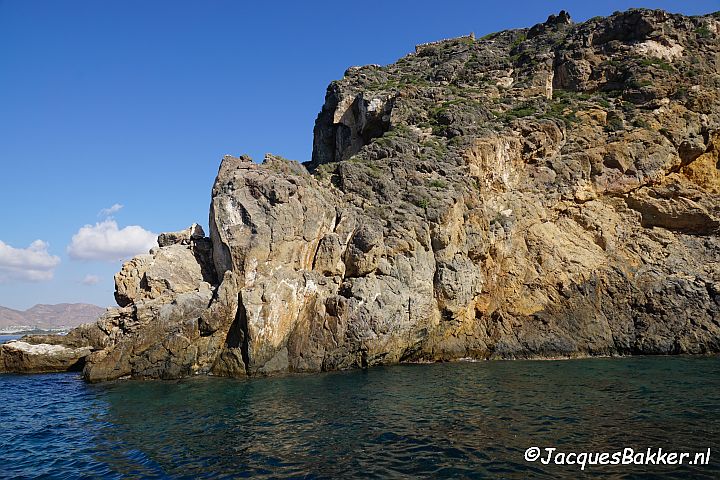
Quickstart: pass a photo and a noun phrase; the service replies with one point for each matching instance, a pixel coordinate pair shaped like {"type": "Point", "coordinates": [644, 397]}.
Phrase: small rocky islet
{"type": "Point", "coordinates": [536, 193]}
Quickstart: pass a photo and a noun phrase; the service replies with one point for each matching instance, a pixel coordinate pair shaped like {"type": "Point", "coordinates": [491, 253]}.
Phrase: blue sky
{"type": "Point", "coordinates": [133, 104]}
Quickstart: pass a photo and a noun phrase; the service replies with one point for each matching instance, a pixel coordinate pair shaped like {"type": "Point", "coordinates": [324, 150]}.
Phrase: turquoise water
{"type": "Point", "coordinates": [460, 420]}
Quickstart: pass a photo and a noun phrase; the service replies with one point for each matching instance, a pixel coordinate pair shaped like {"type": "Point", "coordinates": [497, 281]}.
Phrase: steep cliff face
{"type": "Point", "coordinates": [542, 192]}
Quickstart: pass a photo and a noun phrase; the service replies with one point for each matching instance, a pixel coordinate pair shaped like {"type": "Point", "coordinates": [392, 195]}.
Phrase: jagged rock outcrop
{"type": "Point", "coordinates": [51, 353]}
{"type": "Point", "coordinates": [19, 356]}
{"type": "Point", "coordinates": [541, 192]}
{"type": "Point", "coordinates": [182, 264]}
{"type": "Point", "coordinates": [157, 332]}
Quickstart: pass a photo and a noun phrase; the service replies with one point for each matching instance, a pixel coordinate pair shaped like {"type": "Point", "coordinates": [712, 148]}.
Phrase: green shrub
{"type": "Point", "coordinates": [703, 32]}
{"type": "Point", "coordinates": [604, 103]}
{"type": "Point", "coordinates": [518, 40]}
{"type": "Point", "coordinates": [636, 83]}
{"type": "Point", "coordinates": [658, 62]}
{"type": "Point", "coordinates": [614, 124]}
{"type": "Point", "coordinates": [519, 112]}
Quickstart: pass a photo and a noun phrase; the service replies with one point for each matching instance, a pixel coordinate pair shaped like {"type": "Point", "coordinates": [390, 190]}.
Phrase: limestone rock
{"type": "Point", "coordinates": [266, 226]}
{"type": "Point", "coordinates": [180, 264]}
{"type": "Point", "coordinates": [130, 280]}
{"type": "Point", "coordinates": [328, 259]}
{"type": "Point", "coordinates": [157, 340]}
{"type": "Point", "coordinates": [20, 356]}
{"type": "Point", "coordinates": [541, 192]}
{"type": "Point", "coordinates": [670, 209]}
{"type": "Point", "coordinates": [185, 237]}
{"type": "Point", "coordinates": [364, 251]}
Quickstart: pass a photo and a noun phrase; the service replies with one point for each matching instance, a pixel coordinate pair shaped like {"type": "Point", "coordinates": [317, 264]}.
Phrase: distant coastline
{"type": "Point", "coordinates": [28, 330]}
{"type": "Point", "coordinates": [47, 319]}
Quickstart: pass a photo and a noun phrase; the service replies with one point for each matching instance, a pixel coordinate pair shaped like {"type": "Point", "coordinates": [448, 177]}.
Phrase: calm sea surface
{"type": "Point", "coordinates": [460, 420]}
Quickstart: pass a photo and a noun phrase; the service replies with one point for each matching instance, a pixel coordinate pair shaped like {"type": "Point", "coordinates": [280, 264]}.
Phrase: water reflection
{"type": "Point", "coordinates": [451, 420]}
{"type": "Point", "coordinates": [442, 421]}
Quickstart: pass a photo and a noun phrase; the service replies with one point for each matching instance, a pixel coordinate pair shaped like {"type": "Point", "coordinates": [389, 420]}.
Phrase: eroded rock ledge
{"type": "Point", "coordinates": [542, 192]}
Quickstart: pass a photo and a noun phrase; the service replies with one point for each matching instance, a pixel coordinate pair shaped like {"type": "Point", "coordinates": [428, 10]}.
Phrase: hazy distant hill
{"type": "Point", "coordinates": [51, 316]}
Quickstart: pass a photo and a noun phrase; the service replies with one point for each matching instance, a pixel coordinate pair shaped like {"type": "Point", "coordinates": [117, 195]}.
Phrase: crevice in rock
{"type": "Point", "coordinates": [237, 336]}
{"type": "Point", "coordinates": [315, 252]}
{"type": "Point", "coordinates": [336, 222]}
{"type": "Point", "coordinates": [202, 251]}
{"type": "Point", "coordinates": [345, 290]}
{"type": "Point", "coordinates": [143, 286]}
{"type": "Point", "coordinates": [364, 359]}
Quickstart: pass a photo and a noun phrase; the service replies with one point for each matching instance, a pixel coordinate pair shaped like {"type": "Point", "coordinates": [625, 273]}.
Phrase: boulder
{"type": "Point", "coordinates": [20, 356]}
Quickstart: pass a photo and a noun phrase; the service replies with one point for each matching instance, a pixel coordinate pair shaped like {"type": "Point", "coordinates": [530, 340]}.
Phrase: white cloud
{"type": "Point", "coordinates": [31, 264]}
{"type": "Point", "coordinates": [90, 280]}
{"type": "Point", "coordinates": [106, 212]}
{"type": "Point", "coordinates": [105, 241]}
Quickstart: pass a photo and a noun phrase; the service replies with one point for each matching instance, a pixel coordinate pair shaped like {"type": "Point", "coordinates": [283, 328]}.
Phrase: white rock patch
{"type": "Point", "coordinates": [40, 349]}
{"type": "Point", "coordinates": [651, 48]}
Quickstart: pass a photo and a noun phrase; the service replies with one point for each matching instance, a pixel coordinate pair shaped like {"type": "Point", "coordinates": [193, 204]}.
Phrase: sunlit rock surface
{"type": "Point", "coordinates": [541, 192]}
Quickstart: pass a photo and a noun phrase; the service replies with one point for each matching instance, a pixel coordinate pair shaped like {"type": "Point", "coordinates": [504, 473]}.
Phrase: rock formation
{"type": "Point", "coordinates": [535, 193]}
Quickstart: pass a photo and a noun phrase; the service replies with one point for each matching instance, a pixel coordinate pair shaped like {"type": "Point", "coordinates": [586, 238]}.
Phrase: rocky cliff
{"type": "Point", "coordinates": [541, 192]}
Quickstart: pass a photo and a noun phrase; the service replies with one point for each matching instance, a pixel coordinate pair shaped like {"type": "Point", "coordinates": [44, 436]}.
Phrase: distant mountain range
{"type": "Point", "coordinates": [50, 316]}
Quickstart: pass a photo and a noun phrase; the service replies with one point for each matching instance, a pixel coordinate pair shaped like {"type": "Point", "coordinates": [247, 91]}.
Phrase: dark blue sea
{"type": "Point", "coordinates": [453, 420]}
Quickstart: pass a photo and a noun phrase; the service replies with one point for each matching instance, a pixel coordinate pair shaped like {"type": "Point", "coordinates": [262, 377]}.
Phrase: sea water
{"type": "Point", "coordinates": [454, 420]}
